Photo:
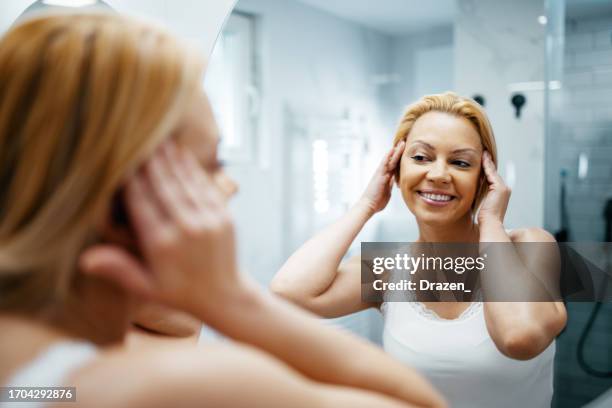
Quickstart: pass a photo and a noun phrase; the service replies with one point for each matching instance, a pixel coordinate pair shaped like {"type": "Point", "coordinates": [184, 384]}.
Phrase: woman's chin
{"type": "Point", "coordinates": [433, 220]}
{"type": "Point", "coordinates": [437, 217]}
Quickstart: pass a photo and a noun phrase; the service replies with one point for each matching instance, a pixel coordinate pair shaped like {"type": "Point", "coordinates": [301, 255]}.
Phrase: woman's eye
{"type": "Point", "coordinates": [461, 163]}
{"type": "Point", "coordinates": [418, 157]}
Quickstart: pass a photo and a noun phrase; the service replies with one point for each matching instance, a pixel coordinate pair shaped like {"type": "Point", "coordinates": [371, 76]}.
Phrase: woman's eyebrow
{"type": "Point", "coordinates": [465, 149]}
{"type": "Point", "coordinates": [427, 145]}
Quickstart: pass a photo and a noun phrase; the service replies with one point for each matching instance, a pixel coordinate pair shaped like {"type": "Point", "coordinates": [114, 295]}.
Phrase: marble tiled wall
{"type": "Point", "coordinates": [586, 127]}
{"type": "Point", "coordinates": [499, 45]}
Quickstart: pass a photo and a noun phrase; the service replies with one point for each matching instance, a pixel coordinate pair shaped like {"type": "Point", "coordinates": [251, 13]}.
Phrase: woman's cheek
{"type": "Point", "coordinates": [468, 185]}
{"type": "Point", "coordinates": [407, 183]}
{"type": "Point", "coordinates": [412, 175]}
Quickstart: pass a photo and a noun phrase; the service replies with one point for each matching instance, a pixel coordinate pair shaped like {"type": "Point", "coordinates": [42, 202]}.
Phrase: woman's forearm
{"type": "Point", "coordinates": [320, 352]}
{"type": "Point", "coordinates": [520, 328]}
{"type": "Point", "coordinates": [313, 267]}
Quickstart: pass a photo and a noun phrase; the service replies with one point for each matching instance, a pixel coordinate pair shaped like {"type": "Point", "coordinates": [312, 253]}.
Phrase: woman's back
{"type": "Point", "coordinates": [160, 376]}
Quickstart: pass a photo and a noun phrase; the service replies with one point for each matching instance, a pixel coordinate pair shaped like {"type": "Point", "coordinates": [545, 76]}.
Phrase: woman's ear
{"type": "Point", "coordinates": [118, 266]}
{"type": "Point", "coordinates": [116, 228]}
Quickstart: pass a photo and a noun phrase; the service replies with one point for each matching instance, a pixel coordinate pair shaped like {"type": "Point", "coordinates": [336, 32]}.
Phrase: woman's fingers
{"type": "Point", "coordinates": [398, 150]}
{"type": "Point", "coordinates": [391, 159]}
{"type": "Point", "coordinates": [181, 225]}
{"type": "Point", "coordinates": [495, 203]}
{"type": "Point", "coordinates": [209, 194]}
{"type": "Point", "coordinates": [382, 167]}
{"type": "Point", "coordinates": [391, 181]}
{"type": "Point", "coordinates": [144, 210]}
{"type": "Point", "coordinates": [182, 175]}
{"type": "Point", "coordinates": [185, 190]}
{"type": "Point", "coordinates": [166, 188]}
{"type": "Point", "coordinates": [146, 213]}
{"type": "Point", "coordinates": [490, 170]}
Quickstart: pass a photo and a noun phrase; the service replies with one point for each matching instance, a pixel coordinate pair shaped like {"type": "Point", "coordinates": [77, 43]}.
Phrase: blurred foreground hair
{"type": "Point", "coordinates": [84, 99]}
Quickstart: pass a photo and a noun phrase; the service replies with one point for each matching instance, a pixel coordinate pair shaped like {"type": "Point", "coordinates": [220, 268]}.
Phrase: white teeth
{"type": "Point", "coordinates": [437, 197]}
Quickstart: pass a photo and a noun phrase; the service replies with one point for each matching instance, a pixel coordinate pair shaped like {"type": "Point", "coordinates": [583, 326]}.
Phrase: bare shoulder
{"type": "Point", "coordinates": [532, 243]}
{"type": "Point", "coordinates": [179, 376]}
{"type": "Point", "coordinates": [540, 254]}
{"type": "Point", "coordinates": [531, 234]}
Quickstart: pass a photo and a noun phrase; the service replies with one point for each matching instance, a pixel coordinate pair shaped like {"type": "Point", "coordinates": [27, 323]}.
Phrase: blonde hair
{"type": "Point", "coordinates": [459, 106]}
{"type": "Point", "coordinates": [84, 99]}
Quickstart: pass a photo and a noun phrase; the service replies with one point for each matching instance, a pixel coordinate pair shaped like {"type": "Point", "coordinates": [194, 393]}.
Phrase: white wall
{"type": "Point", "coordinates": [433, 70]}
{"type": "Point", "coordinates": [422, 64]}
{"type": "Point", "coordinates": [497, 43]}
{"type": "Point", "coordinates": [313, 63]}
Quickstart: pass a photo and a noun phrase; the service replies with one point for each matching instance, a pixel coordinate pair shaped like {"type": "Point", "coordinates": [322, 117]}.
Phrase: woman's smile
{"type": "Point", "coordinates": [435, 198]}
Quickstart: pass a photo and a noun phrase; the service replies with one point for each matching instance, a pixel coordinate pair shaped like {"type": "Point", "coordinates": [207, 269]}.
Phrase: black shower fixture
{"type": "Point", "coordinates": [480, 99]}
{"type": "Point", "coordinates": [518, 100]}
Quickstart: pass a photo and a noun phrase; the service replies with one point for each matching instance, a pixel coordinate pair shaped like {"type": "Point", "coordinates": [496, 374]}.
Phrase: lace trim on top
{"type": "Point", "coordinates": [474, 308]}
{"type": "Point", "coordinates": [428, 313]}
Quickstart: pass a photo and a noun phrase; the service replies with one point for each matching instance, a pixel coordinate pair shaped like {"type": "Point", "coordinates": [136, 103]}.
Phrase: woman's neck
{"type": "Point", "coordinates": [81, 325]}
{"type": "Point", "coordinates": [94, 311]}
{"type": "Point", "coordinates": [463, 230]}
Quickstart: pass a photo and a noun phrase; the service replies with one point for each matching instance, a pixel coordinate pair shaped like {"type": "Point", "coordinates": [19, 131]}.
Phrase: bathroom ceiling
{"type": "Point", "coordinates": [396, 17]}
{"type": "Point", "coordinates": [393, 17]}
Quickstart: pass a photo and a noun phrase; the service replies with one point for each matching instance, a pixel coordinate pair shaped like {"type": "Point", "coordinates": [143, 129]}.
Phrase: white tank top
{"type": "Point", "coordinates": [460, 359]}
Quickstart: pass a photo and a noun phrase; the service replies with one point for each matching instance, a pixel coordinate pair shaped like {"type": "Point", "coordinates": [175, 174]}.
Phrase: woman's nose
{"type": "Point", "coordinates": [438, 172]}
{"type": "Point", "coordinates": [226, 184]}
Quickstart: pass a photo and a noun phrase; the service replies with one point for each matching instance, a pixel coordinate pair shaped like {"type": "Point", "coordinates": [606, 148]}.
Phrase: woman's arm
{"type": "Point", "coordinates": [187, 242]}
{"type": "Point", "coordinates": [209, 376]}
{"type": "Point", "coordinates": [520, 330]}
{"type": "Point", "coordinates": [313, 277]}
{"type": "Point", "coordinates": [320, 352]}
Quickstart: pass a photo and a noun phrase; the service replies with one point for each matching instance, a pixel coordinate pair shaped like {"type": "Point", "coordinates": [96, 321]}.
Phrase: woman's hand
{"type": "Point", "coordinates": [185, 235]}
{"type": "Point", "coordinates": [378, 192]}
{"type": "Point", "coordinates": [495, 203]}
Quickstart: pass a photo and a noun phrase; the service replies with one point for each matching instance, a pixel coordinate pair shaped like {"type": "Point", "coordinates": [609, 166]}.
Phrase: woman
{"type": "Point", "coordinates": [105, 132]}
{"type": "Point", "coordinates": [444, 162]}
